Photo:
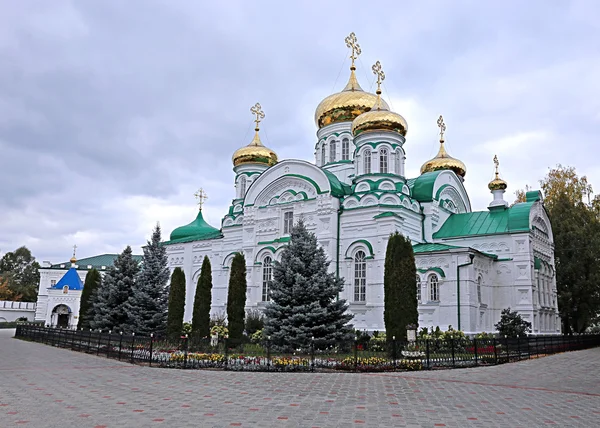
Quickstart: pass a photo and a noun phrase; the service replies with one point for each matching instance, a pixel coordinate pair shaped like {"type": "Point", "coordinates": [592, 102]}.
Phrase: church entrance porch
{"type": "Point", "coordinates": [61, 315]}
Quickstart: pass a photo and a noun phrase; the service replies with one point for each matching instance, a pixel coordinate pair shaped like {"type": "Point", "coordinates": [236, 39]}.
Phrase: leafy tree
{"type": "Point", "coordinates": [202, 301]}
{"type": "Point", "coordinates": [91, 284]}
{"type": "Point", "coordinates": [110, 300]}
{"type": "Point", "coordinates": [400, 293]}
{"type": "Point", "coordinates": [5, 291]}
{"type": "Point", "coordinates": [511, 324]}
{"type": "Point", "coordinates": [148, 304]}
{"type": "Point", "coordinates": [176, 303]}
{"type": "Point", "coordinates": [236, 297]}
{"type": "Point", "coordinates": [304, 297]}
{"type": "Point", "coordinates": [21, 270]}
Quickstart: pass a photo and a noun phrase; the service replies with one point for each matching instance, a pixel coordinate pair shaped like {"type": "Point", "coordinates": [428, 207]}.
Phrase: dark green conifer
{"type": "Point", "coordinates": [91, 284]}
{"type": "Point", "coordinates": [236, 297]}
{"type": "Point", "coordinates": [202, 301]}
{"type": "Point", "coordinates": [176, 303]}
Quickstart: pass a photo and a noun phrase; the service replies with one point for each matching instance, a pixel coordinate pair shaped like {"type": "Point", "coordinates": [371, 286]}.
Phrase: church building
{"type": "Point", "coordinates": [470, 264]}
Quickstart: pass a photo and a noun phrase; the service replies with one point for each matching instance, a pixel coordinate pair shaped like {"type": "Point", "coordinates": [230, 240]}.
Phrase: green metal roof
{"type": "Point", "coordinates": [387, 214]}
{"type": "Point", "coordinates": [95, 262]}
{"type": "Point", "coordinates": [422, 186]}
{"type": "Point", "coordinates": [338, 189]}
{"type": "Point", "coordinates": [430, 247]}
{"type": "Point", "coordinates": [496, 221]}
{"type": "Point", "coordinates": [197, 230]}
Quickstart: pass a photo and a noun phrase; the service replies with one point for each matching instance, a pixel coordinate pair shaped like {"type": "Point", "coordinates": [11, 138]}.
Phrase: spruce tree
{"type": "Point", "coordinates": [148, 304]}
{"type": "Point", "coordinates": [91, 284]}
{"type": "Point", "coordinates": [236, 297]}
{"type": "Point", "coordinates": [400, 292]}
{"type": "Point", "coordinates": [202, 301]}
{"type": "Point", "coordinates": [304, 301]}
{"type": "Point", "coordinates": [110, 299]}
{"type": "Point", "coordinates": [176, 303]}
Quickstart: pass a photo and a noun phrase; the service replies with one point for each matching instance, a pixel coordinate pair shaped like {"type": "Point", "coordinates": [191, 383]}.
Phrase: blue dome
{"type": "Point", "coordinates": [70, 279]}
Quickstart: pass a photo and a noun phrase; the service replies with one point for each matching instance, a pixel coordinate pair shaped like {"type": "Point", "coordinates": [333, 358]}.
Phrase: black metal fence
{"type": "Point", "coordinates": [227, 354]}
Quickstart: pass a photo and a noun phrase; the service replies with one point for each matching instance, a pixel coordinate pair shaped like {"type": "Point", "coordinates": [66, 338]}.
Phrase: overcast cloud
{"type": "Point", "coordinates": [112, 113]}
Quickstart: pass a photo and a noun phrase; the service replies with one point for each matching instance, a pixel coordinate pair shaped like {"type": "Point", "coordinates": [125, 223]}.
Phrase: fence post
{"type": "Point", "coordinates": [312, 354]}
{"type": "Point", "coordinates": [519, 347]}
{"type": "Point", "coordinates": [427, 353]}
{"type": "Point", "coordinates": [108, 344]}
{"type": "Point", "coordinates": [120, 344]}
{"type": "Point", "coordinates": [507, 353]}
{"type": "Point", "coordinates": [452, 346]}
{"type": "Point", "coordinates": [225, 344]}
{"type": "Point", "coordinates": [132, 345]}
{"type": "Point", "coordinates": [268, 353]}
{"type": "Point", "coordinates": [495, 350]}
{"type": "Point", "coordinates": [185, 351]}
{"type": "Point", "coordinates": [475, 349]}
{"type": "Point", "coordinates": [394, 354]}
{"type": "Point", "coordinates": [151, 346]}
{"type": "Point", "coordinates": [356, 353]}
{"type": "Point", "coordinates": [99, 340]}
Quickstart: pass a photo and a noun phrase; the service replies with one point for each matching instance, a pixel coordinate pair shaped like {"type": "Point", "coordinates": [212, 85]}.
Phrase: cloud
{"type": "Point", "coordinates": [113, 113]}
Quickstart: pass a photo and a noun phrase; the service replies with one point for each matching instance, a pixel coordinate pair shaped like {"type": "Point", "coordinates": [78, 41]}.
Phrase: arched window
{"type": "Point", "coordinates": [360, 276]}
{"type": "Point", "coordinates": [418, 289]}
{"type": "Point", "coordinates": [434, 288]}
{"type": "Point", "coordinates": [367, 161]}
{"type": "Point", "coordinates": [383, 160]}
{"type": "Point", "coordinates": [398, 162]}
{"type": "Point", "coordinates": [332, 151]}
{"type": "Point", "coordinates": [323, 154]}
{"type": "Point", "coordinates": [479, 280]}
{"type": "Point", "coordinates": [242, 187]}
{"type": "Point", "coordinates": [345, 149]}
{"type": "Point", "coordinates": [288, 222]}
{"type": "Point", "coordinates": [267, 278]}
{"type": "Point", "coordinates": [65, 289]}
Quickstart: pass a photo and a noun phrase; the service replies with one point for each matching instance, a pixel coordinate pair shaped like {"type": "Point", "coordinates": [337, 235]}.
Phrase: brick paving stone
{"type": "Point", "coordinates": [47, 387]}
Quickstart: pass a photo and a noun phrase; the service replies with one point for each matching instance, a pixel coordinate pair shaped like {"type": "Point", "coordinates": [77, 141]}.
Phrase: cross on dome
{"type": "Point", "coordinates": [200, 195]}
{"type": "Point", "coordinates": [260, 115]}
{"type": "Point", "coordinates": [497, 164]}
{"type": "Point", "coordinates": [74, 259]}
{"type": "Point", "coordinates": [378, 71]}
{"type": "Point", "coordinates": [352, 43]}
{"type": "Point", "coordinates": [442, 125]}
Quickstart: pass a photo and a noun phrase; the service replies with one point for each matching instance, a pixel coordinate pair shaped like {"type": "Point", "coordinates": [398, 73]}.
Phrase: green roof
{"type": "Point", "coordinates": [387, 214]}
{"type": "Point", "coordinates": [426, 248]}
{"type": "Point", "coordinates": [422, 187]}
{"type": "Point", "coordinates": [338, 189]}
{"type": "Point", "coordinates": [495, 221]}
{"type": "Point", "coordinates": [197, 230]}
{"type": "Point", "coordinates": [95, 262]}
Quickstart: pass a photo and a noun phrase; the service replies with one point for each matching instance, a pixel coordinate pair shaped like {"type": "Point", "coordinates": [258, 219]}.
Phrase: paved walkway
{"type": "Point", "coordinates": [42, 386]}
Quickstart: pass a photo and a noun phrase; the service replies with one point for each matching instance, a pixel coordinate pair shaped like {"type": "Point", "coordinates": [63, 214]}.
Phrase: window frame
{"type": "Point", "coordinates": [323, 149]}
{"type": "Point", "coordinates": [360, 276]}
{"type": "Point", "coordinates": [479, 284]}
{"type": "Point", "coordinates": [267, 277]}
{"type": "Point", "coordinates": [242, 186]}
{"type": "Point", "coordinates": [419, 296]}
{"type": "Point", "coordinates": [288, 222]}
{"type": "Point", "coordinates": [367, 161]}
{"type": "Point", "coordinates": [433, 288]}
{"type": "Point", "coordinates": [345, 149]}
{"type": "Point", "coordinates": [384, 166]}
{"type": "Point", "coordinates": [332, 151]}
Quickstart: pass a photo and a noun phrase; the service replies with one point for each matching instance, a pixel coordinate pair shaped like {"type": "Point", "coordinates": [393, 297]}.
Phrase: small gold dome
{"type": "Point", "coordinates": [444, 161]}
{"type": "Point", "coordinates": [379, 119]}
{"type": "Point", "coordinates": [73, 260]}
{"type": "Point", "coordinates": [346, 105]}
{"type": "Point", "coordinates": [497, 183]}
{"type": "Point", "coordinates": [255, 152]}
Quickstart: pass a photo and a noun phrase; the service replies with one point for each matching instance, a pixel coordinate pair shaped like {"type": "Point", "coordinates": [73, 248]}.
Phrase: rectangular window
{"type": "Point", "coordinates": [52, 282]}
{"type": "Point", "coordinates": [267, 278]}
{"type": "Point", "coordinates": [383, 161]}
{"type": "Point", "coordinates": [360, 277]}
{"type": "Point", "coordinates": [345, 149]}
{"type": "Point", "coordinates": [332, 151]}
{"type": "Point", "coordinates": [288, 222]}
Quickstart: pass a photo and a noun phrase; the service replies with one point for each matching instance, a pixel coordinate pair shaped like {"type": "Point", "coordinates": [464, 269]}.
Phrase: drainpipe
{"type": "Point", "coordinates": [471, 256]}
{"type": "Point", "coordinates": [423, 224]}
{"type": "Point", "coordinates": [337, 251]}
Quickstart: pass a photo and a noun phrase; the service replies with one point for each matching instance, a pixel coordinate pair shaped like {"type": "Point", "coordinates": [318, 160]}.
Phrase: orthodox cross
{"type": "Point", "coordinates": [74, 250]}
{"type": "Point", "coordinates": [257, 111]}
{"type": "Point", "coordinates": [352, 43]}
{"type": "Point", "coordinates": [497, 164]}
{"type": "Point", "coordinates": [378, 71]}
{"type": "Point", "coordinates": [201, 196]}
{"type": "Point", "coordinates": [442, 126]}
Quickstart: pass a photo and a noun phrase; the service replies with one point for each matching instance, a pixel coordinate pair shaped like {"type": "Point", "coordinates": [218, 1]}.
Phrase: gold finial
{"type": "Point", "coordinates": [260, 115]}
{"type": "Point", "coordinates": [352, 43]}
{"type": "Point", "coordinates": [74, 259]}
{"type": "Point", "coordinates": [201, 196]}
{"type": "Point", "coordinates": [442, 126]}
{"type": "Point", "coordinates": [378, 71]}
{"type": "Point", "coordinates": [497, 164]}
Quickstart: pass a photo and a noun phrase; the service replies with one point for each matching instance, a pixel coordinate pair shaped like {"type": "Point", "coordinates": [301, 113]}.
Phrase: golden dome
{"type": "Point", "coordinates": [444, 161]}
{"type": "Point", "coordinates": [497, 183]}
{"type": "Point", "coordinates": [379, 119]}
{"type": "Point", "coordinates": [254, 152]}
{"type": "Point", "coordinates": [346, 105]}
{"type": "Point", "coordinates": [73, 260]}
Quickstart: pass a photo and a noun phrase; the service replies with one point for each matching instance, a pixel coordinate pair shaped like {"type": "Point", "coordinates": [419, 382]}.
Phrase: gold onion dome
{"type": "Point", "coordinates": [351, 102]}
{"type": "Point", "coordinates": [255, 152]}
{"type": "Point", "coordinates": [497, 183]}
{"type": "Point", "coordinates": [443, 160]}
{"type": "Point", "coordinates": [379, 118]}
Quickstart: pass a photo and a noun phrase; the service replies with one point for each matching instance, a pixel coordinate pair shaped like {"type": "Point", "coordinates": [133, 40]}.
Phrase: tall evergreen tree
{"type": "Point", "coordinates": [202, 301]}
{"type": "Point", "coordinates": [148, 304]}
{"type": "Point", "coordinates": [303, 294]}
{"type": "Point", "coordinates": [236, 297]}
{"type": "Point", "coordinates": [400, 292]}
{"type": "Point", "coordinates": [91, 284]}
{"type": "Point", "coordinates": [176, 303]}
{"type": "Point", "coordinates": [110, 299]}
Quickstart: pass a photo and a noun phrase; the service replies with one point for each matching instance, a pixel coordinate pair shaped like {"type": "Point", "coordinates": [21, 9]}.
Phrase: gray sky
{"type": "Point", "coordinates": [112, 113]}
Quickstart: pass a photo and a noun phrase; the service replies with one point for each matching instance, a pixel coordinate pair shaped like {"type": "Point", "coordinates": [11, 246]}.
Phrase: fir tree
{"type": "Point", "coordinates": [202, 301]}
{"type": "Point", "coordinates": [511, 324]}
{"type": "Point", "coordinates": [304, 301]}
{"type": "Point", "coordinates": [400, 292]}
{"type": "Point", "coordinates": [91, 284]}
{"type": "Point", "coordinates": [148, 304]}
{"type": "Point", "coordinates": [236, 297]}
{"type": "Point", "coordinates": [176, 303]}
{"type": "Point", "coordinates": [110, 299]}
